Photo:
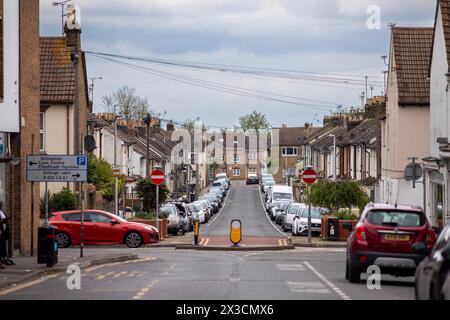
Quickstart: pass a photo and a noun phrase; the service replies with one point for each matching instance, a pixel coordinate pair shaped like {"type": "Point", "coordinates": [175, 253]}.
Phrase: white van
{"type": "Point", "coordinates": [279, 193]}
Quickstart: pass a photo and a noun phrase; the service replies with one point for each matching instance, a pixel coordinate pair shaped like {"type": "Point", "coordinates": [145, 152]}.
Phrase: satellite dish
{"type": "Point", "coordinates": [89, 143]}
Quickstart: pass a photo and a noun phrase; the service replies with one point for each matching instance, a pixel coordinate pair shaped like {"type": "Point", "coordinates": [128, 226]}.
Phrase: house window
{"type": "Point", "coordinates": [289, 151]}
{"type": "Point", "coordinates": [237, 158]}
{"type": "Point", "coordinates": [252, 156]}
{"type": "Point", "coordinates": [252, 170]}
{"type": "Point", "coordinates": [42, 131]}
{"type": "Point", "coordinates": [236, 172]}
{"type": "Point", "coordinates": [223, 159]}
{"type": "Point", "coordinates": [235, 140]}
{"type": "Point", "coordinates": [192, 158]}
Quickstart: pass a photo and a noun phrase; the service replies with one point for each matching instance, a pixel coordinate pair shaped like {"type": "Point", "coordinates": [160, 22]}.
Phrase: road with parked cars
{"type": "Point", "coordinates": [300, 273]}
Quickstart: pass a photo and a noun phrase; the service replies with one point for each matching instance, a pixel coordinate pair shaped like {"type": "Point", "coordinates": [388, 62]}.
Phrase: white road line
{"type": "Point", "coordinates": [271, 222]}
{"type": "Point", "coordinates": [327, 282]}
{"type": "Point", "coordinates": [221, 209]}
{"type": "Point", "coordinates": [308, 287]}
{"type": "Point", "coordinates": [290, 267]}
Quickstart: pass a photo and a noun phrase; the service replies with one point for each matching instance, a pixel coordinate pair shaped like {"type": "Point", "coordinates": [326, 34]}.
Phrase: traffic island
{"type": "Point", "coordinates": [27, 268]}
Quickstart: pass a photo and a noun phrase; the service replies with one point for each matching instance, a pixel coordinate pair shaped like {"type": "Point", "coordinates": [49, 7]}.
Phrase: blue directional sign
{"type": "Point", "coordinates": [57, 168]}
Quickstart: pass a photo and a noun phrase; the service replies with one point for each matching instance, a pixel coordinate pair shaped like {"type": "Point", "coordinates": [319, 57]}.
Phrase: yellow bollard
{"type": "Point", "coordinates": [196, 231]}
{"type": "Point", "coordinates": [236, 232]}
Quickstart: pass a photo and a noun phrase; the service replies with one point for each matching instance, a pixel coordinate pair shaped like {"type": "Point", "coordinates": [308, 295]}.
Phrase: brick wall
{"type": "Point", "coordinates": [22, 199]}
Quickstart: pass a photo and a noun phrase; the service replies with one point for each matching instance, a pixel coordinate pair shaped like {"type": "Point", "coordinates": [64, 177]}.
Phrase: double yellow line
{"type": "Point", "coordinates": [282, 242]}
{"type": "Point", "coordinates": [204, 241]}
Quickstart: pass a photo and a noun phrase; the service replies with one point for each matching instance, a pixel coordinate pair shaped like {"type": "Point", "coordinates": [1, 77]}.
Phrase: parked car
{"type": "Point", "coordinates": [100, 227]}
{"type": "Point", "coordinates": [212, 204]}
{"type": "Point", "coordinates": [267, 184]}
{"type": "Point", "coordinates": [264, 179]}
{"type": "Point", "coordinates": [188, 225]}
{"type": "Point", "coordinates": [300, 225]}
{"type": "Point", "coordinates": [252, 178]}
{"type": "Point", "coordinates": [177, 223]}
{"type": "Point", "coordinates": [281, 212]}
{"type": "Point", "coordinates": [196, 211]}
{"type": "Point", "coordinates": [204, 206]}
{"type": "Point", "coordinates": [277, 193]}
{"type": "Point", "coordinates": [288, 217]}
{"type": "Point", "coordinates": [445, 292]}
{"type": "Point", "coordinates": [385, 236]}
{"type": "Point", "coordinates": [434, 270]}
{"type": "Point", "coordinates": [277, 206]}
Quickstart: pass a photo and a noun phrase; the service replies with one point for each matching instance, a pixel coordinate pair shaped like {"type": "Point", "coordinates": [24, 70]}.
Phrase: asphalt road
{"type": "Point", "coordinates": [166, 273]}
{"type": "Point", "coordinates": [243, 203]}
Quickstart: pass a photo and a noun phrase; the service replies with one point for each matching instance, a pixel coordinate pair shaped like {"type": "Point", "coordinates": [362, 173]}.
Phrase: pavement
{"type": "Point", "coordinates": [259, 270]}
{"type": "Point", "coordinates": [27, 268]}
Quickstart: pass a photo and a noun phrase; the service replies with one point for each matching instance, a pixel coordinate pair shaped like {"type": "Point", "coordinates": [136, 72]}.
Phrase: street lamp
{"type": "Point", "coordinates": [334, 155]}
{"type": "Point", "coordinates": [91, 87]}
{"type": "Point", "coordinates": [148, 119]}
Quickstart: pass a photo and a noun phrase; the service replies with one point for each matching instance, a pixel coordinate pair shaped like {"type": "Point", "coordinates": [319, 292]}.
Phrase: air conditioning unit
{"type": "Point", "coordinates": [73, 21]}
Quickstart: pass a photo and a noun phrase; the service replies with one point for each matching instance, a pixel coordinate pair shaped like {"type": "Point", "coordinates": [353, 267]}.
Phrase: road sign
{"type": "Point", "coordinates": [157, 177]}
{"type": "Point", "coordinates": [57, 168]}
{"type": "Point", "coordinates": [413, 172]}
{"type": "Point", "coordinates": [116, 172]}
{"type": "Point", "coordinates": [309, 176]}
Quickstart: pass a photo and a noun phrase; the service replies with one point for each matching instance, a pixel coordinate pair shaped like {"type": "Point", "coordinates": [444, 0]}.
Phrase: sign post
{"type": "Point", "coordinates": [309, 177]}
{"type": "Point", "coordinates": [157, 177]}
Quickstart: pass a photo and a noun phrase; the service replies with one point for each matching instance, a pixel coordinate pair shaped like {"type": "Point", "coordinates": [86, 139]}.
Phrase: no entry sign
{"type": "Point", "coordinates": [157, 177]}
{"type": "Point", "coordinates": [309, 176]}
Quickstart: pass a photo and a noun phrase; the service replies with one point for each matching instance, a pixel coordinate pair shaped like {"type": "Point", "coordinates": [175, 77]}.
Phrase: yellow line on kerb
{"type": "Point", "coordinates": [206, 242]}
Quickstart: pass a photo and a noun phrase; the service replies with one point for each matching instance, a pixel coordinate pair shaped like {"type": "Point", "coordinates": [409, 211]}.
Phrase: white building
{"type": "Point", "coordinates": [437, 163]}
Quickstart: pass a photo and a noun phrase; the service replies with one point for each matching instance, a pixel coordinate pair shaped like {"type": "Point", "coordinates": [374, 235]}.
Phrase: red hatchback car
{"type": "Point", "coordinates": [386, 236]}
{"type": "Point", "coordinates": [101, 227]}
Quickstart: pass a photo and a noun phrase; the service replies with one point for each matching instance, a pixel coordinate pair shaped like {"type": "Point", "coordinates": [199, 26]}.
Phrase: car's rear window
{"type": "Point", "coordinates": [396, 218]}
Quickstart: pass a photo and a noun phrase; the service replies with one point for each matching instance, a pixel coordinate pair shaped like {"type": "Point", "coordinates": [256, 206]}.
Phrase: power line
{"type": "Point", "coordinates": [266, 72]}
{"type": "Point", "coordinates": [227, 88]}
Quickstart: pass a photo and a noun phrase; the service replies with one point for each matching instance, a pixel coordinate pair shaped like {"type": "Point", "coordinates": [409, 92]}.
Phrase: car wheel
{"type": "Point", "coordinates": [354, 274]}
{"type": "Point", "coordinates": [63, 240]}
{"type": "Point", "coordinates": [133, 239]}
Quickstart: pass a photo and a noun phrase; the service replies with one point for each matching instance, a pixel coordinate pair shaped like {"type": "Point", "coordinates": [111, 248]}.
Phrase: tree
{"type": "Point", "coordinates": [126, 104]}
{"type": "Point", "coordinates": [338, 194]}
{"type": "Point", "coordinates": [146, 191]}
{"type": "Point", "coordinates": [100, 174]}
{"type": "Point", "coordinates": [255, 120]}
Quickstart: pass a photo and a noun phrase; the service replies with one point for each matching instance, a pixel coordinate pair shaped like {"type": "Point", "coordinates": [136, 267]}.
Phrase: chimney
{"type": "Point", "coordinates": [170, 126]}
{"type": "Point", "coordinates": [72, 27]}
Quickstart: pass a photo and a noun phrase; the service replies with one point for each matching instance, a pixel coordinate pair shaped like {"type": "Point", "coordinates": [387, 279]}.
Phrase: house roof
{"type": "Point", "coordinates": [412, 53]}
{"type": "Point", "coordinates": [97, 121]}
{"type": "Point", "coordinates": [57, 73]}
{"type": "Point", "coordinates": [324, 141]}
{"type": "Point", "coordinates": [295, 135]}
{"type": "Point", "coordinates": [362, 133]}
{"type": "Point", "coordinates": [444, 5]}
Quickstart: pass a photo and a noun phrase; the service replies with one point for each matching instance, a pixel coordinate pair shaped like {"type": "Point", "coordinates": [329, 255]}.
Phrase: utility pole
{"type": "Point", "coordinates": [92, 87]}
{"type": "Point", "coordinates": [116, 199]}
{"type": "Point", "coordinates": [148, 120]}
{"type": "Point", "coordinates": [334, 155]}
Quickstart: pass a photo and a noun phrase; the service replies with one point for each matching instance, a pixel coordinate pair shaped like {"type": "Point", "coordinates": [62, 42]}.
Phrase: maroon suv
{"type": "Point", "coordinates": [385, 236]}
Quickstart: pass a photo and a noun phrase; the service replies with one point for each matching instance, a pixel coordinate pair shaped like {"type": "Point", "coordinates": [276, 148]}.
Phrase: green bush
{"type": "Point", "coordinates": [345, 215]}
{"type": "Point", "coordinates": [100, 174]}
{"type": "Point", "coordinates": [61, 201]}
{"type": "Point", "coordinates": [146, 191]}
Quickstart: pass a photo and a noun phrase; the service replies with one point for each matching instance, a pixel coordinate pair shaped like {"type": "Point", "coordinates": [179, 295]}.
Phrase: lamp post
{"type": "Point", "coordinates": [91, 87]}
{"type": "Point", "coordinates": [147, 119]}
{"type": "Point", "coordinates": [334, 155]}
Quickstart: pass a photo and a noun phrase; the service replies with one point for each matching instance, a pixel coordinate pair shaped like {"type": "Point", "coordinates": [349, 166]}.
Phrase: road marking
{"type": "Point", "coordinates": [290, 267]}
{"type": "Point", "coordinates": [93, 268]}
{"type": "Point", "coordinates": [327, 282]}
{"type": "Point", "coordinates": [206, 242]}
{"type": "Point", "coordinates": [308, 287]}
{"type": "Point", "coordinates": [117, 275]}
{"type": "Point", "coordinates": [103, 276]}
{"type": "Point", "coordinates": [201, 241]}
{"type": "Point", "coordinates": [141, 293]}
{"type": "Point", "coordinates": [267, 216]}
{"type": "Point", "coordinates": [27, 285]}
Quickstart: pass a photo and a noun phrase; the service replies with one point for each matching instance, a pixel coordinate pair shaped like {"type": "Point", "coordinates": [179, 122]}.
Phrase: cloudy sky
{"type": "Point", "coordinates": [309, 40]}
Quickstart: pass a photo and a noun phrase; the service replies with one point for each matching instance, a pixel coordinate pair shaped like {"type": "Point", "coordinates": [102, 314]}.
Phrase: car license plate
{"type": "Point", "coordinates": [397, 237]}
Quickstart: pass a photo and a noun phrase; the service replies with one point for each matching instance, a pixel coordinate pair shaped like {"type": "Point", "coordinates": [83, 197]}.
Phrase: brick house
{"type": "Point", "coordinates": [58, 98]}
{"type": "Point", "coordinates": [21, 198]}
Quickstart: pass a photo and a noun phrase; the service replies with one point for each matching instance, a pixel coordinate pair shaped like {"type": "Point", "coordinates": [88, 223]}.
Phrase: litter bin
{"type": "Point", "coordinates": [47, 245]}
{"type": "Point", "coordinates": [333, 229]}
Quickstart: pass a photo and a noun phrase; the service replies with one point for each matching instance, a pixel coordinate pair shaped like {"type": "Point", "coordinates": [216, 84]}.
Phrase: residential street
{"type": "Point", "coordinates": [166, 273]}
